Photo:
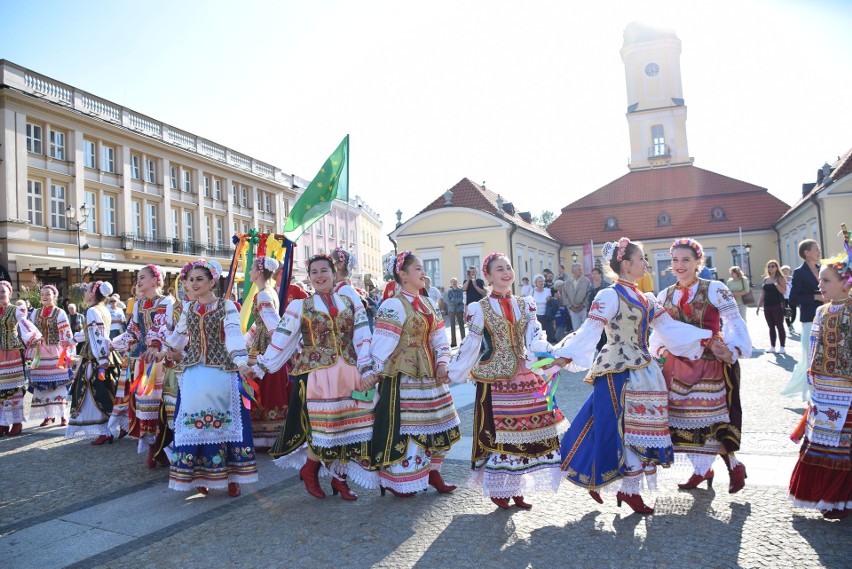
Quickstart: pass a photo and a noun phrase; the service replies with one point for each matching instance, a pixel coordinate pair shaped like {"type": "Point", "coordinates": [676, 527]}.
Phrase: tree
{"type": "Point", "coordinates": [544, 219]}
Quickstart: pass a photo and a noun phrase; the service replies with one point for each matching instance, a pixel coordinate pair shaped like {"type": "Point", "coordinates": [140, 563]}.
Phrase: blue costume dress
{"type": "Point", "coordinates": [622, 430]}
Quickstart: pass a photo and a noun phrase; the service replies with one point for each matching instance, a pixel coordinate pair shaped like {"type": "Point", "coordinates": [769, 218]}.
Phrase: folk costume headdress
{"type": "Point", "coordinates": [842, 262]}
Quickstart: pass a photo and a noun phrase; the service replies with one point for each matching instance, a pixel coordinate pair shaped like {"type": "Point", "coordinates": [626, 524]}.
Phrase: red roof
{"type": "Point", "coordinates": [471, 195]}
{"type": "Point", "coordinates": [688, 195]}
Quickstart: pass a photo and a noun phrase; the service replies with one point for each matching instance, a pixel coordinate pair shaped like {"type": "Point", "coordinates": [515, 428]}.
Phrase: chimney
{"type": "Point", "coordinates": [526, 216]}
{"type": "Point", "coordinates": [806, 189]}
{"type": "Point", "coordinates": [826, 175]}
{"type": "Point", "coordinates": [509, 208]}
{"type": "Point", "coordinates": [500, 204]}
{"type": "Point", "coordinates": [448, 197]}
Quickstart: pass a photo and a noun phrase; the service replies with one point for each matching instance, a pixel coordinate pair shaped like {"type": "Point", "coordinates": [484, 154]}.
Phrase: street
{"type": "Point", "coordinates": [66, 503]}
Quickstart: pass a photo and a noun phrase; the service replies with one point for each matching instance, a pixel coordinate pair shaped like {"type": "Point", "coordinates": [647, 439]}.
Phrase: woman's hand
{"type": "Point", "coordinates": [442, 376]}
{"type": "Point", "coordinates": [246, 372]}
{"type": "Point", "coordinates": [369, 381]}
{"type": "Point", "coordinates": [562, 362]}
{"type": "Point", "coordinates": [722, 352]}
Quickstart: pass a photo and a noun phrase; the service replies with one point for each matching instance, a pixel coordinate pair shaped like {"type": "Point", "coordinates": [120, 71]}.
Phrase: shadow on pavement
{"type": "Point", "coordinates": [829, 539]}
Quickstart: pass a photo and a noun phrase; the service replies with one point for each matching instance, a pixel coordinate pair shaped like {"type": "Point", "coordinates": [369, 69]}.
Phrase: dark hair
{"type": "Point", "coordinates": [201, 268]}
{"type": "Point", "coordinates": [98, 295]}
{"type": "Point", "coordinates": [685, 247]}
{"type": "Point", "coordinates": [597, 270]}
{"type": "Point", "coordinates": [405, 264]}
{"type": "Point", "coordinates": [615, 264]}
{"type": "Point", "coordinates": [321, 257]}
{"type": "Point", "coordinates": [494, 258]}
{"type": "Point", "coordinates": [805, 246]}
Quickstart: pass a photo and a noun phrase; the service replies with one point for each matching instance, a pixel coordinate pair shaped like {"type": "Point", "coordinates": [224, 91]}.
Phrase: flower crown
{"type": "Point", "coordinates": [50, 287]}
{"type": "Point", "coordinates": [488, 259]}
{"type": "Point", "coordinates": [7, 285]}
{"type": "Point", "coordinates": [400, 261]}
{"type": "Point", "coordinates": [321, 257]}
{"type": "Point", "coordinates": [266, 264]}
{"type": "Point", "coordinates": [615, 247]}
{"type": "Point", "coordinates": [842, 262]}
{"type": "Point", "coordinates": [346, 257]}
{"type": "Point", "coordinates": [690, 243]}
{"type": "Point", "coordinates": [185, 271]}
{"type": "Point", "coordinates": [102, 287]}
{"type": "Point", "coordinates": [214, 267]}
{"type": "Point", "coordinates": [158, 276]}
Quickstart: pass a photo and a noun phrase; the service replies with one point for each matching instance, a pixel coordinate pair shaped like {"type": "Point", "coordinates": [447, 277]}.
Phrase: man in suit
{"type": "Point", "coordinates": [574, 293]}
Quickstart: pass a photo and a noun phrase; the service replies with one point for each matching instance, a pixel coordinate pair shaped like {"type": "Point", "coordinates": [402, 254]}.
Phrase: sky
{"type": "Point", "coordinates": [528, 97]}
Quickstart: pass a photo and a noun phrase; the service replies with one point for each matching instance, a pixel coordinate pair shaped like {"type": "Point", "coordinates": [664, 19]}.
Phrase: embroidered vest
{"type": "Point", "coordinates": [833, 350]}
{"type": "Point", "coordinates": [9, 338]}
{"type": "Point", "coordinates": [262, 334]}
{"type": "Point", "coordinates": [325, 338]}
{"type": "Point", "coordinates": [507, 345]}
{"type": "Point", "coordinates": [206, 344]}
{"type": "Point", "coordinates": [48, 325]}
{"type": "Point", "coordinates": [704, 315]}
{"type": "Point", "coordinates": [413, 355]}
{"type": "Point", "coordinates": [627, 337]}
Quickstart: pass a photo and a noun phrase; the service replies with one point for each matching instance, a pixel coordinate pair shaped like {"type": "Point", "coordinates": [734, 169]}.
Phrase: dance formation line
{"type": "Point", "coordinates": [324, 394]}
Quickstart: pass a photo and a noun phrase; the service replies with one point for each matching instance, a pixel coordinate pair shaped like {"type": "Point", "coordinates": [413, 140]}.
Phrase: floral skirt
{"type": "Point", "coordinates": [267, 418]}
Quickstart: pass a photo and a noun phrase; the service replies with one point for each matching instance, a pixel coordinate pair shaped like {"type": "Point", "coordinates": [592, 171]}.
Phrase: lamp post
{"type": "Point", "coordinates": [574, 256]}
{"type": "Point", "coordinates": [78, 220]}
{"type": "Point", "coordinates": [747, 247]}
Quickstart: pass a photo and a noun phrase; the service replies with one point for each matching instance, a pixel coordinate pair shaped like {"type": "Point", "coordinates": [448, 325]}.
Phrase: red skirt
{"type": "Point", "coordinates": [267, 418]}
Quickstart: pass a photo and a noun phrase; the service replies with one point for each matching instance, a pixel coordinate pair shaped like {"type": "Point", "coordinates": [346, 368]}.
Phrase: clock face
{"type": "Point", "coordinates": [652, 69]}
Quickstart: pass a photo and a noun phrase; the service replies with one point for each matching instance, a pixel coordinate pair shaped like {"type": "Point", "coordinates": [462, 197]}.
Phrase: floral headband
{"type": "Point", "coordinates": [691, 244]}
{"type": "Point", "coordinates": [211, 265]}
{"type": "Point", "coordinates": [50, 287]}
{"type": "Point", "coordinates": [615, 247]}
{"type": "Point", "coordinates": [7, 285]}
{"type": "Point", "coordinates": [842, 262]}
{"type": "Point", "coordinates": [185, 271]}
{"type": "Point", "coordinates": [102, 287]}
{"type": "Point", "coordinates": [400, 261]}
{"type": "Point", "coordinates": [488, 259]}
{"type": "Point", "coordinates": [321, 257]}
{"type": "Point", "coordinates": [266, 264]}
{"type": "Point", "coordinates": [346, 257]}
{"type": "Point", "coordinates": [158, 276]}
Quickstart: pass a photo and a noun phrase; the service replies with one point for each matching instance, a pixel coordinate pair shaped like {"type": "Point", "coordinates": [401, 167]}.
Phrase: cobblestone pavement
{"type": "Point", "coordinates": [66, 503]}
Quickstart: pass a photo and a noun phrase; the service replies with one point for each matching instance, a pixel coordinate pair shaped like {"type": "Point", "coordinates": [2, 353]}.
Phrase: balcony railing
{"type": "Point", "coordinates": [659, 151]}
{"type": "Point", "coordinates": [131, 241]}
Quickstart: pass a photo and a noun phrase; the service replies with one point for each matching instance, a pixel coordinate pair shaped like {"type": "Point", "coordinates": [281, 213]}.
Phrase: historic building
{"type": "Point", "coordinates": [664, 196]}
{"type": "Point", "coordinates": [465, 224]}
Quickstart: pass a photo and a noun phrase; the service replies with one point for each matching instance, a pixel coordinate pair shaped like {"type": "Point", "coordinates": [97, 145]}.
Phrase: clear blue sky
{"type": "Point", "coordinates": [528, 96]}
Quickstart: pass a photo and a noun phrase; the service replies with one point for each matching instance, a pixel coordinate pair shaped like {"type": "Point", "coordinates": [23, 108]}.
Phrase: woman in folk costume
{"type": "Point", "coordinates": [93, 388]}
{"type": "Point", "coordinates": [822, 477]}
{"type": "Point", "coordinates": [51, 359]}
{"type": "Point", "coordinates": [416, 421]}
{"type": "Point", "coordinates": [516, 436]}
{"type": "Point", "coordinates": [705, 416]}
{"type": "Point", "coordinates": [622, 430]}
{"type": "Point", "coordinates": [213, 443]}
{"type": "Point", "coordinates": [325, 425]}
{"type": "Point", "coordinates": [267, 414]}
{"type": "Point", "coordinates": [152, 320]}
{"type": "Point", "coordinates": [16, 333]}
{"type": "Point", "coordinates": [344, 264]}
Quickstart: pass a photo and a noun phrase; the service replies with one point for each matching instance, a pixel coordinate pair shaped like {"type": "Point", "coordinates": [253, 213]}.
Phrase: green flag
{"type": "Point", "coordinates": [330, 183]}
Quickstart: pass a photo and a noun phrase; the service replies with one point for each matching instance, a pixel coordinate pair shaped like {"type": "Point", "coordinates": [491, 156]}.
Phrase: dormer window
{"type": "Point", "coordinates": [717, 214]}
{"type": "Point", "coordinates": [611, 224]}
{"type": "Point", "coordinates": [664, 220]}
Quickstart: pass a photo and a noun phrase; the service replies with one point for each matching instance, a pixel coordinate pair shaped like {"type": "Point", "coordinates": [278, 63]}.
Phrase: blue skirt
{"type": "Point", "coordinates": [593, 447]}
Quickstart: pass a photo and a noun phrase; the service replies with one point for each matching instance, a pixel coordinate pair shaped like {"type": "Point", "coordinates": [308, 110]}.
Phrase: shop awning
{"type": "Point", "coordinates": [35, 262]}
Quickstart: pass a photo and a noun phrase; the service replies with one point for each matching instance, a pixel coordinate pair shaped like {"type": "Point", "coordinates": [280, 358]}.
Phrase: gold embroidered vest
{"type": "Point", "coordinates": [325, 338]}
{"type": "Point", "coordinates": [703, 314]}
{"type": "Point", "coordinates": [627, 337]}
{"type": "Point", "coordinates": [206, 344]}
{"type": "Point", "coordinates": [262, 334]}
{"type": "Point", "coordinates": [48, 326]}
{"type": "Point", "coordinates": [833, 351]}
{"type": "Point", "coordinates": [9, 338]}
{"type": "Point", "coordinates": [413, 355]}
{"type": "Point", "coordinates": [507, 343]}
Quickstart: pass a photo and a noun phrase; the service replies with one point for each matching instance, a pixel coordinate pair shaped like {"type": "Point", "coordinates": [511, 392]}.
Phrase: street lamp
{"type": "Point", "coordinates": [574, 256]}
{"type": "Point", "coordinates": [79, 221]}
{"type": "Point", "coordinates": [747, 247]}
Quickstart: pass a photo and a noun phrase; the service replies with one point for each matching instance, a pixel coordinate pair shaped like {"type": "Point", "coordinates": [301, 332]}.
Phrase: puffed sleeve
{"type": "Point", "coordinates": [467, 355]}
{"type": "Point", "coordinates": [386, 332]}
{"type": "Point", "coordinates": [133, 334]}
{"type": "Point", "coordinates": [64, 328]}
{"type": "Point", "coordinates": [362, 339]}
{"type": "Point", "coordinates": [440, 345]}
{"type": "Point", "coordinates": [352, 294]}
{"type": "Point", "coordinates": [580, 345]}
{"type": "Point", "coordinates": [234, 341]}
{"type": "Point", "coordinates": [536, 337]}
{"type": "Point", "coordinates": [98, 340]}
{"type": "Point", "coordinates": [679, 338]}
{"type": "Point", "coordinates": [177, 338]}
{"type": "Point", "coordinates": [268, 308]}
{"type": "Point", "coordinates": [285, 341]}
{"type": "Point", "coordinates": [28, 331]}
{"type": "Point", "coordinates": [163, 323]}
{"type": "Point", "coordinates": [734, 328]}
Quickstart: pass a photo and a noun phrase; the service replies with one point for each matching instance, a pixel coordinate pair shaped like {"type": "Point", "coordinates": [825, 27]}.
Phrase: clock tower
{"type": "Point", "coordinates": [656, 111]}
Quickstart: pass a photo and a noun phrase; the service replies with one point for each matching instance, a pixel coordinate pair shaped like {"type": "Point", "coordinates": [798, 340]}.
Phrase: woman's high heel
{"type": "Point", "coordinates": [203, 490]}
{"type": "Point", "coordinates": [738, 476]}
{"type": "Point", "coordinates": [309, 475]}
{"type": "Point", "coordinates": [102, 439]}
{"type": "Point", "coordinates": [519, 502]}
{"type": "Point", "coordinates": [437, 482]}
{"type": "Point", "coordinates": [697, 479]}
{"type": "Point", "coordinates": [340, 486]}
{"type": "Point", "coordinates": [596, 496]}
{"type": "Point", "coordinates": [396, 493]}
{"type": "Point", "coordinates": [234, 489]}
{"type": "Point", "coordinates": [502, 503]}
{"type": "Point", "coordinates": [635, 502]}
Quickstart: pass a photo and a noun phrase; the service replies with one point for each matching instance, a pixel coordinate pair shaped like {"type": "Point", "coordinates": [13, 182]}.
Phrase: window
{"type": "Point", "coordinates": [187, 181]}
{"type": "Point", "coordinates": [57, 144]}
{"type": "Point", "coordinates": [91, 202]}
{"type": "Point", "coordinates": [331, 230]}
{"type": "Point", "coordinates": [611, 224]}
{"type": "Point", "coordinates": [432, 268]}
{"type": "Point", "coordinates": [187, 225]}
{"type": "Point", "coordinates": [259, 201]}
{"type": "Point", "coordinates": [236, 194]}
{"type": "Point", "coordinates": [173, 178]}
{"type": "Point", "coordinates": [218, 185]}
{"type": "Point", "coordinates": [664, 220]}
{"type": "Point", "coordinates": [175, 224]}
{"type": "Point", "coordinates": [109, 215]}
{"type": "Point", "coordinates": [89, 154]}
{"type": "Point", "coordinates": [470, 261]}
{"type": "Point", "coordinates": [206, 183]}
{"type": "Point", "coordinates": [108, 159]}
{"type": "Point", "coordinates": [244, 196]}
{"type": "Point", "coordinates": [658, 139]}
{"type": "Point", "coordinates": [268, 201]}
{"type": "Point", "coordinates": [34, 138]}
{"type": "Point", "coordinates": [208, 229]}
{"type": "Point", "coordinates": [135, 171]}
{"type": "Point", "coordinates": [136, 208]}
{"type": "Point", "coordinates": [151, 168]}
{"type": "Point", "coordinates": [35, 203]}
{"type": "Point", "coordinates": [352, 236]}
{"type": "Point", "coordinates": [57, 206]}
{"type": "Point", "coordinates": [319, 225]}
{"type": "Point", "coordinates": [717, 214]}
{"type": "Point", "coordinates": [245, 227]}
{"type": "Point", "coordinates": [307, 253]}
{"type": "Point", "coordinates": [220, 232]}
{"type": "Point", "coordinates": [151, 220]}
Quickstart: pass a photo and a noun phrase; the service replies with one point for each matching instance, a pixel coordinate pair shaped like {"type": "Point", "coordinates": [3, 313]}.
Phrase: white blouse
{"type": "Point", "coordinates": [288, 336]}
{"type": "Point", "coordinates": [388, 327]}
{"type": "Point", "coordinates": [467, 356]}
{"type": "Point", "coordinates": [268, 307]}
{"type": "Point", "coordinates": [682, 339]}
{"type": "Point", "coordinates": [734, 329]}
{"type": "Point", "coordinates": [162, 325]}
{"type": "Point", "coordinates": [97, 336]}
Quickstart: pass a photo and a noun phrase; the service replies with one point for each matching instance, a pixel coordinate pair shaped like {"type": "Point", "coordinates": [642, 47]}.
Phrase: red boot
{"type": "Point", "coordinates": [396, 493]}
{"type": "Point", "coordinates": [4, 430]}
{"type": "Point", "coordinates": [697, 479]}
{"type": "Point", "coordinates": [309, 474]}
{"type": "Point", "coordinates": [519, 502]}
{"type": "Point", "coordinates": [339, 485]}
{"type": "Point", "coordinates": [102, 439]}
{"type": "Point", "coordinates": [234, 489]}
{"type": "Point", "coordinates": [47, 421]}
{"type": "Point", "coordinates": [635, 502]}
{"type": "Point", "coordinates": [64, 422]}
{"type": "Point", "coordinates": [150, 461]}
{"type": "Point", "coordinates": [738, 476]}
{"type": "Point", "coordinates": [502, 503]}
{"type": "Point", "coordinates": [436, 481]}
{"type": "Point", "coordinates": [16, 429]}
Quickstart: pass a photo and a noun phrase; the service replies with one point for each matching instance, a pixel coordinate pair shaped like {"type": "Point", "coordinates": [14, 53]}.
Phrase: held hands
{"type": "Point", "coordinates": [442, 376]}
{"type": "Point", "coordinates": [369, 381]}
{"type": "Point", "coordinates": [246, 372]}
{"type": "Point", "coordinates": [562, 362]}
{"type": "Point", "coordinates": [722, 352]}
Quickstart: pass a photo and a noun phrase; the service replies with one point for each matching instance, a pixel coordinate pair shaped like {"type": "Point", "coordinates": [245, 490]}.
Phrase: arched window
{"type": "Point", "coordinates": [717, 214]}
{"type": "Point", "coordinates": [664, 220]}
{"type": "Point", "coordinates": [611, 224]}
